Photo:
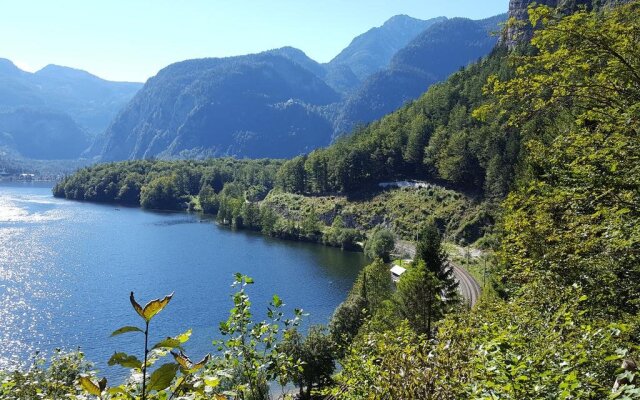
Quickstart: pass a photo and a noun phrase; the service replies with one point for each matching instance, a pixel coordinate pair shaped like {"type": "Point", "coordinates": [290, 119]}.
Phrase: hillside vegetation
{"type": "Point", "coordinates": [430, 57]}
{"type": "Point", "coordinates": [547, 137]}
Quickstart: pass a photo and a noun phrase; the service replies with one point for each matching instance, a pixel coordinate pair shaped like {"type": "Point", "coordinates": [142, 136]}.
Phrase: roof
{"type": "Point", "coordinates": [397, 270]}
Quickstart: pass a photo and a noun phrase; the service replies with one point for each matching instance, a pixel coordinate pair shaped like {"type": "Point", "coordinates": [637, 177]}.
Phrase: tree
{"type": "Point", "coordinates": [316, 354]}
{"type": "Point", "coordinates": [129, 192]}
{"type": "Point", "coordinates": [347, 320]}
{"type": "Point", "coordinates": [268, 220]}
{"type": "Point", "coordinates": [161, 194]}
{"type": "Point", "coordinates": [375, 285]}
{"type": "Point", "coordinates": [291, 176]}
{"type": "Point", "coordinates": [419, 298]}
{"type": "Point", "coordinates": [380, 245]}
{"type": "Point", "coordinates": [340, 236]}
{"type": "Point", "coordinates": [419, 133]}
{"type": "Point", "coordinates": [429, 250]}
{"type": "Point", "coordinates": [311, 224]}
{"type": "Point", "coordinates": [208, 200]}
{"type": "Point", "coordinates": [575, 214]}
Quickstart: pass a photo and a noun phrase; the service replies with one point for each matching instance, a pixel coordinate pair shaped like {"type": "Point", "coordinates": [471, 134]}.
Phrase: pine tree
{"type": "Point", "coordinates": [419, 298]}
{"type": "Point", "coordinates": [429, 250]}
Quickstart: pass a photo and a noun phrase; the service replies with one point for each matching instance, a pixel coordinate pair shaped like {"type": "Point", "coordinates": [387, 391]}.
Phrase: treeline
{"type": "Point", "coordinates": [228, 188]}
{"type": "Point", "coordinates": [167, 185]}
{"type": "Point", "coordinates": [434, 138]}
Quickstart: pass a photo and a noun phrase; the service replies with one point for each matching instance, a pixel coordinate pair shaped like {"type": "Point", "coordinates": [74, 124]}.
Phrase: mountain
{"type": "Point", "coordinates": [41, 134]}
{"type": "Point", "coordinates": [90, 101]}
{"type": "Point", "coordinates": [433, 55]}
{"type": "Point", "coordinates": [260, 105]}
{"type": "Point", "coordinates": [372, 51]}
{"type": "Point", "coordinates": [281, 103]}
{"type": "Point", "coordinates": [338, 76]}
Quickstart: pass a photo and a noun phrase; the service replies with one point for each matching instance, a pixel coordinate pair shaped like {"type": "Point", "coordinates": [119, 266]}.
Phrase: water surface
{"type": "Point", "coordinates": [66, 270]}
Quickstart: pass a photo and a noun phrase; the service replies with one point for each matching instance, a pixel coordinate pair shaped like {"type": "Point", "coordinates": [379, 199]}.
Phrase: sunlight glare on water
{"type": "Point", "coordinates": [66, 270]}
{"type": "Point", "coordinates": [25, 275]}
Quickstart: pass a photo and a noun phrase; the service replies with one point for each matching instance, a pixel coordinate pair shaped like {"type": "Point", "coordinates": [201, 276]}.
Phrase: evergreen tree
{"type": "Point", "coordinates": [429, 250]}
{"type": "Point", "coordinates": [375, 285]}
{"type": "Point", "coordinates": [419, 298]}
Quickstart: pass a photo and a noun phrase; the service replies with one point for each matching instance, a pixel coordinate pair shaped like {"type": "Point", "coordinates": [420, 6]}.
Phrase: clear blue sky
{"type": "Point", "coordinates": [132, 39]}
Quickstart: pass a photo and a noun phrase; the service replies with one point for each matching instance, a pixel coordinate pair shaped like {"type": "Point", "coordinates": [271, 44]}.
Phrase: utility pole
{"type": "Point", "coordinates": [484, 272]}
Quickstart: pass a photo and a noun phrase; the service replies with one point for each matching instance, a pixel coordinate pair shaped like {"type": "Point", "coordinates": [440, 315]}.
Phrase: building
{"type": "Point", "coordinates": [396, 272]}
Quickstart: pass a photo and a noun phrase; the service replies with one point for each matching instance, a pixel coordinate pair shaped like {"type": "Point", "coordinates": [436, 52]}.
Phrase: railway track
{"type": "Point", "coordinates": [467, 285]}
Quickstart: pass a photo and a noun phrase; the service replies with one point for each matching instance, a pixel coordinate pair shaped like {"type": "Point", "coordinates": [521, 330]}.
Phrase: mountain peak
{"type": "Point", "coordinates": [8, 67]}
{"type": "Point", "coordinates": [371, 51]}
{"type": "Point", "coordinates": [59, 71]}
{"type": "Point", "coordinates": [404, 19]}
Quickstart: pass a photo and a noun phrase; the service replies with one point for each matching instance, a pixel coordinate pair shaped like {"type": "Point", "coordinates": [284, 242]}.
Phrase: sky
{"type": "Point", "coordinates": [131, 40]}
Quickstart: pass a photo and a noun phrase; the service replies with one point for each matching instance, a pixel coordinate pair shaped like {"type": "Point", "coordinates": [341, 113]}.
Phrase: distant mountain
{"type": "Point", "coordinates": [338, 76]}
{"type": "Point", "coordinates": [281, 103]}
{"type": "Point", "coordinates": [431, 57]}
{"type": "Point", "coordinates": [90, 101]}
{"type": "Point", "coordinates": [260, 105]}
{"type": "Point", "coordinates": [42, 135]}
{"type": "Point", "coordinates": [372, 51]}
{"type": "Point", "coordinates": [367, 54]}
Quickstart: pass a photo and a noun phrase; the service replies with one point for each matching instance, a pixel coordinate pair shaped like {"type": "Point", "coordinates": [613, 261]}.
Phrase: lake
{"type": "Point", "coordinates": [67, 268]}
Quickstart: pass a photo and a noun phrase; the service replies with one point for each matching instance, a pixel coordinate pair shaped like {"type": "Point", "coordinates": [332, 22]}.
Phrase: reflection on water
{"type": "Point", "coordinates": [66, 269]}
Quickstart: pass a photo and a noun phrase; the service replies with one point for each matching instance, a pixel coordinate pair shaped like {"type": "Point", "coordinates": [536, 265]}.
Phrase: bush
{"type": "Point", "coordinates": [380, 245]}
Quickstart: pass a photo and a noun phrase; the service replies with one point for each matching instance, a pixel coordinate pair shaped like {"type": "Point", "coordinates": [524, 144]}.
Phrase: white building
{"type": "Point", "coordinates": [396, 272]}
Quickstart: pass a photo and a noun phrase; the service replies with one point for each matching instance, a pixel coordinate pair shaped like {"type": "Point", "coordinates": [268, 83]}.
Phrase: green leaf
{"type": "Point", "coordinates": [277, 301]}
{"type": "Point", "coordinates": [126, 329]}
{"type": "Point", "coordinates": [183, 337]}
{"type": "Point", "coordinates": [125, 360]}
{"type": "Point", "coordinates": [117, 390]}
{"type": "Point", "coordinates": [163, 376]}
{"type": "Point", "coordinates": [88, 385]}
{"type": "Point", "coordinates": [212, 381]}
{"type": "Point", "coordinates": [168, 343]}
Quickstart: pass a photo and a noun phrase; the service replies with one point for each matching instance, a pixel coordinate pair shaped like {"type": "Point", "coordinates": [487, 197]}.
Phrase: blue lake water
{"type": "Point", "coordinates": [66, 270]}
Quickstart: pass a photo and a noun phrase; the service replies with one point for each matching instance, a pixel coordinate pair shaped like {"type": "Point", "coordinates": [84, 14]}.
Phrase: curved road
{"type": "Point", "coordinates": [467, 285]}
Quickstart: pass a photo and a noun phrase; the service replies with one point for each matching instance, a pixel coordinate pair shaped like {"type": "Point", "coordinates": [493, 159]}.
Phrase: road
{"type": "Point", "coordinates": [467, 285]}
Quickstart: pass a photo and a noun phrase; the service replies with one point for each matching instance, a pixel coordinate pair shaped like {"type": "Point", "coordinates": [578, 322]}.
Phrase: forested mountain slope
{"type": "Point", "coordinates": [431, 57]}
{"type": "Point", "coordinates": [41, 134]}
{"type": "Point", "coordinates": [254, 106]}
{"type": "Point", "coordinates": [281, 103]}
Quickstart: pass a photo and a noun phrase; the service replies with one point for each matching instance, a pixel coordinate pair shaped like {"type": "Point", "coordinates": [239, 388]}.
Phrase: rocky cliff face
{"type": "Point", "coordinates": [518, 9]}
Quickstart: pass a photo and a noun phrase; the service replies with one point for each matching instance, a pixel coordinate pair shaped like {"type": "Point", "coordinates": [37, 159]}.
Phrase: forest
{"type": "Point", "coordinates": [543, 139]}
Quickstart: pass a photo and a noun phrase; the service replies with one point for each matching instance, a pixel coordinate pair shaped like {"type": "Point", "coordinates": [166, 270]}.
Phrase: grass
{"type": "Point", "coordinates": [402, 210]}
